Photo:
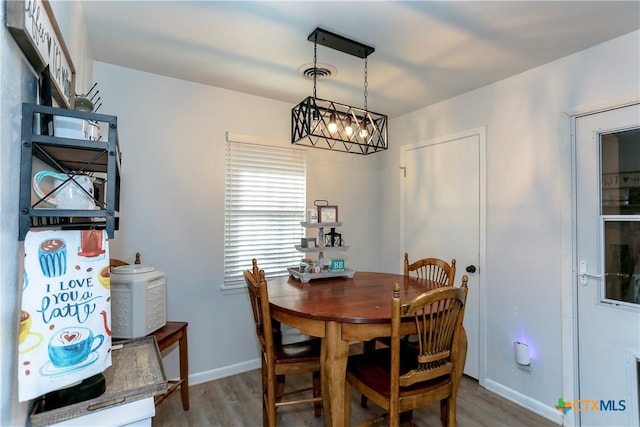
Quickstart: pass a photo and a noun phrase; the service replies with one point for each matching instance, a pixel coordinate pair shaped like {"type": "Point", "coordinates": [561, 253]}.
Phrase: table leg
{"type": "Point", "coordinates": [184, 370]}
{"type": "Point", "coordinates": [333, 364]}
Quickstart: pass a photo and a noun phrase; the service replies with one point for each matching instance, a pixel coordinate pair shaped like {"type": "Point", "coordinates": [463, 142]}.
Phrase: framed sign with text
{"type": "Point", "coordinates": [33, 25]}
{"type": "Point", "coordinates": [621, 180]}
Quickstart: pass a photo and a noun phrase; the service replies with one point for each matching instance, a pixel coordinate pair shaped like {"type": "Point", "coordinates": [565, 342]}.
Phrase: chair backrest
{"type": "Point", "coordinates": [115, 262]}
{"type": "Point", "coordinates": [438, 316]}
{"type": "Point", "coordinates": [433, 269]}
{"type": "Point", "coordinates": [259, 295]}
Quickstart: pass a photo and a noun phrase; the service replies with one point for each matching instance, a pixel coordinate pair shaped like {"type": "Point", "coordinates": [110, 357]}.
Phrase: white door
{"type": "Point", "coordinates": [443, 194]}
{"type": "Point", "coordinates": [607, 147]}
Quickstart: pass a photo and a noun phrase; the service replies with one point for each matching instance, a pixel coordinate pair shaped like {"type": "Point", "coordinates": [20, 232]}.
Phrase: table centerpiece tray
{"type": "Point", "coordinates": [325, 274]}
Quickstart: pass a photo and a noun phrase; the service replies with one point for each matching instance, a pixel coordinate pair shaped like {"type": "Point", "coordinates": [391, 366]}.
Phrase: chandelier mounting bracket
{"type": "Point", "coordinates": [338, 42]}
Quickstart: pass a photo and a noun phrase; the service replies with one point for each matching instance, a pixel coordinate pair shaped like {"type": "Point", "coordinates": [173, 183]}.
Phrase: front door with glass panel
{"type": "Point", "coordinates": [608, 266]}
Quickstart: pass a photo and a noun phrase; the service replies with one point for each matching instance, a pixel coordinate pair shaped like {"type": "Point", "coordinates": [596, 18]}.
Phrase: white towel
{"type": "Point", "coordinates": [64, 334]}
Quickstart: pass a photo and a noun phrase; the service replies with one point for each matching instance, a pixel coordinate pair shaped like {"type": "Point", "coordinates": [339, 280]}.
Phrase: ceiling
{"type": "Point", "coordinates": [425, 51]}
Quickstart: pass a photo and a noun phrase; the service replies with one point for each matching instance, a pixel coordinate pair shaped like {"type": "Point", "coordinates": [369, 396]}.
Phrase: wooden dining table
{"type": "Point", "coordinates": [340, 311]}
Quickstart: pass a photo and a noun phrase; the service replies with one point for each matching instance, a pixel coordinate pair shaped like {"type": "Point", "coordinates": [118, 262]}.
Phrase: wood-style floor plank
{"type": "Point", "coordinates": [235, 401]}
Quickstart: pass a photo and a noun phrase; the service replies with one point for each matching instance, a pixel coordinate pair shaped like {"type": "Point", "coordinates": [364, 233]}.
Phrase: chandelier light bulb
{"type": "Point", "coordinates": [332, 123]}
{"type": "Point", "coordinates": [364, 133]}
{"type": "Point", "coordinates": [347, 128]}
{"type": "Point", "coordinates": [315, 120]}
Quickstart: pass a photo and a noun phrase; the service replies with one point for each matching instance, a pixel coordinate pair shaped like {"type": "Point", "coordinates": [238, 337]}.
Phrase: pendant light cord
{"type": "Point", "coordinates": [365, 84]}
{"type": "Point", "coordinates": [315, 65]}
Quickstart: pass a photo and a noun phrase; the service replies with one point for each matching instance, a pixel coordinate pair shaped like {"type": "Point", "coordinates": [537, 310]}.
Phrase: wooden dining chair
{"type": "Point", "coordinates": [402, 378]}
{"type": "Point", "coordinates": [434, 269]}
{"type": "Point", "coordinates": [115, 262]}
{"type": "Point", "coordinates": [280, 358]}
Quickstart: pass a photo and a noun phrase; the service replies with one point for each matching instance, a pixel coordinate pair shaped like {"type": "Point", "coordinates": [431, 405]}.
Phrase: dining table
{"type": "Point", "coordinates": [341, 311]}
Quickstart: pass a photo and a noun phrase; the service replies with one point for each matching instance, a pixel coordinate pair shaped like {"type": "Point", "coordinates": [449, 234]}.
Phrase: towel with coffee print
{"type": "Point", "coordinates": [64, 333]}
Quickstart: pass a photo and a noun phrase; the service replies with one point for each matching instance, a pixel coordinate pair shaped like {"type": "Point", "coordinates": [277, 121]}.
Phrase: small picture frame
{"type": "Point", "coordinates": [308, 242]}
{"type": "Point", "coordinates": [327, 214]}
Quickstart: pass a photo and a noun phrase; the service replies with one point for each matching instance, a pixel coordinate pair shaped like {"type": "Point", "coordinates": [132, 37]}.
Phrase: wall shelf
{"type": "Point", "coordinates": [70, 156]}
{"type": "Point", "coordinates": [322, 249]}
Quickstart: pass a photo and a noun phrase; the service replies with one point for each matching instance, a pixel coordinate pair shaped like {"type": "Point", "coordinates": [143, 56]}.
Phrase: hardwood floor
{"type": "Point", "coordinates": [235, 401]}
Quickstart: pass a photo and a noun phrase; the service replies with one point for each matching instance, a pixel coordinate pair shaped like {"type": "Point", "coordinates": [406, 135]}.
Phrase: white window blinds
{"type": "Point", "coordinates": [265, 193]}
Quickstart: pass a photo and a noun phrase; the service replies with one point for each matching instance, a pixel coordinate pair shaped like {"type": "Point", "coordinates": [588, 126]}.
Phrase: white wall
{"type": "Point", "coordinates": [528, 173]}
{"type": "Point", "coordinates": [69, 18]}
{"type": "Point", "coordinates": [172, 136]}
{"type": "Point", "coordinates": [18, 84]}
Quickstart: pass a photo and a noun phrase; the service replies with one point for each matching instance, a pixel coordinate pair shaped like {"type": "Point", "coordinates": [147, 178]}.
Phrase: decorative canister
{"type": "Point", "coordinates": [316, 269]}
{"type": "Point", "coordinates": [312, 216]}
{"type": "Point", "coordinates": [83, 104]}
{"type": "Point", "coordinates": [306, 266]}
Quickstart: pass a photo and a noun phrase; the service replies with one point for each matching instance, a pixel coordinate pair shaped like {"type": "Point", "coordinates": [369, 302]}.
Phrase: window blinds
{"type": "Point", "coordinates": [265, 193]}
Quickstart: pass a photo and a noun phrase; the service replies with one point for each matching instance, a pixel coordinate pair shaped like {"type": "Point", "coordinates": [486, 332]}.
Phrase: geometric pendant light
{"type": "Point", "coordinates": [334, 126]}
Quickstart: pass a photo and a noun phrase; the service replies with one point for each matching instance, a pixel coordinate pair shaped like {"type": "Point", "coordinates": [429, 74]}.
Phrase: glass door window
{"type": "Point", "coordinates": [620, 216]}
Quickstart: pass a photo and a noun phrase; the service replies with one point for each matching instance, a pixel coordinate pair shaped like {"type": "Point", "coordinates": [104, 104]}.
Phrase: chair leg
{"type": "Point", "coordinates": [265, 412]}
{"type": "Point", "coordinates": [394, 413]}
{"type": "Point", "coordinates": [394, 420]}
{"type": "Point", "coordinates": [363, 401]}
{"type": "Point", "coordinates": [279, 387]}
{"type": "Point", "coordinates": [448, 412]}
{"type": "Point", "coordinates": [405, 417]}
{"type": "Point", "coordinates": [367, 347]}
{"type": "Point", "coordinates": [317, 392]}
{"type": "Point", "coordinates": [268, 398]}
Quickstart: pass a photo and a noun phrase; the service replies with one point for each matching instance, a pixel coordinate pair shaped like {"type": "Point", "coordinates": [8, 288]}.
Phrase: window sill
{"type": "Point", "coordinates": [239, 286]}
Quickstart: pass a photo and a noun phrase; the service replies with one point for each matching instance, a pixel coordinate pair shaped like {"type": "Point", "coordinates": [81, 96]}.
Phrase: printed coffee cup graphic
{"type": "Point", "coordinates": [91, 243]}
{"type": "Point", "coordinates": [53, 257]}
{"type": "Point", "coordinates": [72, 346]}
{"type": "Point", "coordinates": [27, 339]}
{"type": "Point", "coordinates": [25, 326]}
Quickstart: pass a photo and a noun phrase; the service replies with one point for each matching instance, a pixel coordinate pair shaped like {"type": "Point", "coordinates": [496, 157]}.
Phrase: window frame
{"type": "Point", "coordinates": [245, 154]}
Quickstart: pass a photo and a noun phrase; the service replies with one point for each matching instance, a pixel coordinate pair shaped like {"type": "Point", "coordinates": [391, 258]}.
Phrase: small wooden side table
{"type": "Point", "coordinates": [166, 336]}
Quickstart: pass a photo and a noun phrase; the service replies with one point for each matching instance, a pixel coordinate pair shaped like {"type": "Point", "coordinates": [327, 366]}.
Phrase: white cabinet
{"type": "Point", "coordinates": [135, 414]}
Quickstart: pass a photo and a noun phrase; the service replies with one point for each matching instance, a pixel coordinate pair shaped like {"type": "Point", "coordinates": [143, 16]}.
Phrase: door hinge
{"type": "Point", "coordinates": [404, 171]}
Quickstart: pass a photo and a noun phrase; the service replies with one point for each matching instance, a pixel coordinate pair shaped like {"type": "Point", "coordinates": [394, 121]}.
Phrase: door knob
{"type": "Point", "coordinates": [471, 269]}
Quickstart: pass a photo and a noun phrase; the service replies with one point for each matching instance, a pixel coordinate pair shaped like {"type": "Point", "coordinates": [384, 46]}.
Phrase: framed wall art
{"type": "Point", "coordinates": [327, 213]}
{"type": "Point", "coordinates": [34, 27]}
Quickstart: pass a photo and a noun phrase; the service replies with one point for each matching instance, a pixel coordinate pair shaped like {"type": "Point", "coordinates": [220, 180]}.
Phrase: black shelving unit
{"type": "Point", "coordinates": [71, 157]}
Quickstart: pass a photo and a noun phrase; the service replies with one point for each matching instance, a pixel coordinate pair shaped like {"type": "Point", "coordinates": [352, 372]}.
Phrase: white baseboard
{"type": "Point", "coordinates": [526, 402]}
{"type": "Point", "coordinates": [227, 371]}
